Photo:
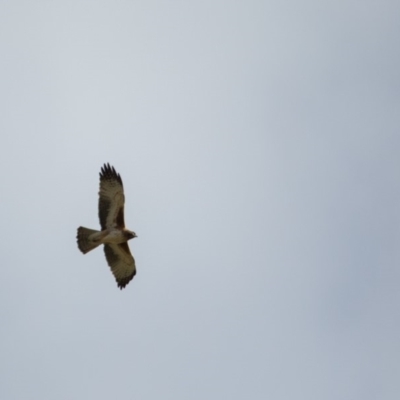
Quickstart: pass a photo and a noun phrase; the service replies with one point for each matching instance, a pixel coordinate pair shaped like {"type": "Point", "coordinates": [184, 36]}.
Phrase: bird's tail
{"type": "Point", "coordinates": [84, 240]}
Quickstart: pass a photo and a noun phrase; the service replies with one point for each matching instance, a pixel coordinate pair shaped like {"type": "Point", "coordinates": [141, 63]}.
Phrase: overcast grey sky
{"type": "Point", "coordinates": [258, 142]}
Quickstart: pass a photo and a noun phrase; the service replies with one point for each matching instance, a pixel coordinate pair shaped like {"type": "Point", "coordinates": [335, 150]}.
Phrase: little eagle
{"type": "Point", "coordinates": [113, 233]}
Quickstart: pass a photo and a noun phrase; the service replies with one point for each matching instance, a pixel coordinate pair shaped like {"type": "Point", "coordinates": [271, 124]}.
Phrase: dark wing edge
{"type": "Point", "coordinates": [104, 210]}
{"type": "Point", "coordinates": [109, 173]}
{"type": "Point", "coordinates": [121, 262]}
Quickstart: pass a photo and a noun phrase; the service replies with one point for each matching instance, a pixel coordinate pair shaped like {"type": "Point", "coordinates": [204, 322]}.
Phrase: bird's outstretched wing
{"type": "Point", "coordinates": [111, 199]}
{"type": "Point", "coordinates": [121, 262]}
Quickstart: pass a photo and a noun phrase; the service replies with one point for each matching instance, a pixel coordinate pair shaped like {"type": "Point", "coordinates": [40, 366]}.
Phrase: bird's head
{"type": "Point", "coordinates": [130, 234]}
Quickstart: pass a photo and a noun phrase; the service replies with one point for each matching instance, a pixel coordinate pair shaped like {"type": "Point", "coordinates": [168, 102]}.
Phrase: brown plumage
{"type": "Point", "coordinates": [113, 233]}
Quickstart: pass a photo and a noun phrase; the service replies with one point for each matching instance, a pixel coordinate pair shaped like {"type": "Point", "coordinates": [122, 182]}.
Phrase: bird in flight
{"type": "Point", "coordinates": [113, 233]}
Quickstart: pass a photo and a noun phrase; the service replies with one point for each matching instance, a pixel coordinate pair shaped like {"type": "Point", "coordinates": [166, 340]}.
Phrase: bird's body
{"type": "Point", "coordinates": [113, 234]}
{"type": "Point", "coordinates": [116, 236]}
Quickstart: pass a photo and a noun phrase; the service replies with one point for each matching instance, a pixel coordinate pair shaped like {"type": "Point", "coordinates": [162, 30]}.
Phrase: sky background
{"type": "Point", "coordinates": [258, 142]}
